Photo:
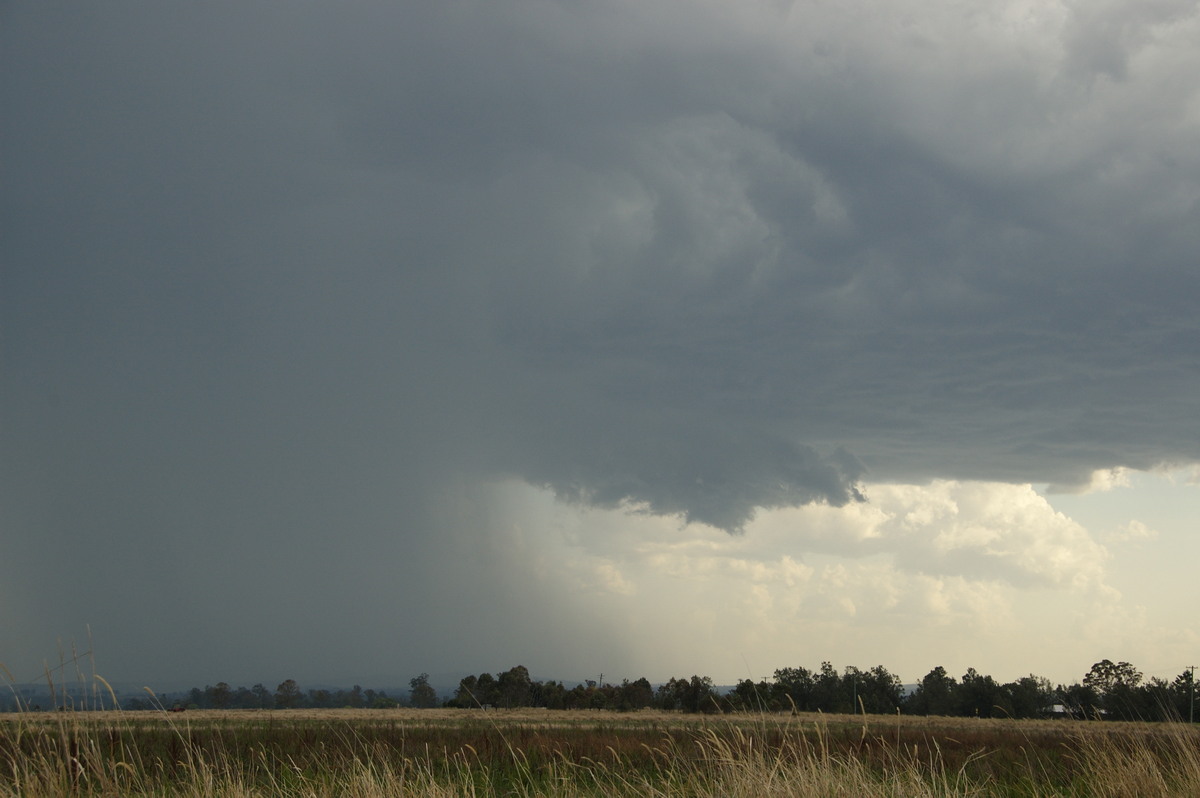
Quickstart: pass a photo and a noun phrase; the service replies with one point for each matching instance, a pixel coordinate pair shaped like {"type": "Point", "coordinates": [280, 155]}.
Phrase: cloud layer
{"type": "Point", "coordinates": [286, 290]}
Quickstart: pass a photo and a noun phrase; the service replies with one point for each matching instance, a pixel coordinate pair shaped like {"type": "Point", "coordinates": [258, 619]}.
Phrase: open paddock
{"type": "Point", "coordinates": [371, 752]}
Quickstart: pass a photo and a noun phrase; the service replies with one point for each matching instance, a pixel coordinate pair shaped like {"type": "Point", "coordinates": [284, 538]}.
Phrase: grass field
{"type": "Point", "coordinates": [555, 753]}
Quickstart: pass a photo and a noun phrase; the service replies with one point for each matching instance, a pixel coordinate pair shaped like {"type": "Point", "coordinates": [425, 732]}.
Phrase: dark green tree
{"type": "Point", "coordinates": [580, 696]}
{"type": "Point", "coordinates": [421, 694]}
{"type": "Point", "coordinates": [219, 695]}
{"type": "Point", "coordinates": [1185, 697]}
{"type": "Point", "coordinates": [1028, 697]}
{"type": "Point", "coordinates": [244, 698]}
{"type": "Point", "coordinates": [828, 692]}
{"type": "Point", "coordinates": [464, 696]}
{"type": "Point", "coordinates": [487, 692]}
{"type": "Point", "coordinates": [934, 695]}
{"type": "Point", "coordinates": [695, 694]}
{"type": "Point", "coordinates": [637, 694]}
{"type": "Point", "coordinates": [1106, 676]}
{"type": "Point", "coordinates": [1115, 684]}
{"type": "Point", "coordinates": [796, 686]}
{"type": "Point", "coordinates": [879, 691]}
{"type": "Point", "coordinates": [514, 687]}
{"type": "Point", "coordinates": [1081, 701]}
{"type": "Point", "coordinates": [550, 695]}
{"type": "Point", "coordinates": [1155, 700]}
{"type": "Point", "coordinates": [382, 700]}
{"type": "Point", "coordinates": [262, 696]}
{"type": "Point", "coordinates": [748, 696]}
{"type": "Point", "coordinates": [977, 695]}
{"type": "Point", "coordinates": [288, 695]}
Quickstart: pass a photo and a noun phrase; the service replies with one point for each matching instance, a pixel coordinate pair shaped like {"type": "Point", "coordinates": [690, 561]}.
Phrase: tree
{"type": "Point", "coordinates": [934, 695]}
{"type": "Point", "coordinates": [1028, 697]}
{"type": "Point", "coordinates": [243, 698]}
{"type": "Point", "coordinates": [218, 695]}
{"type": "Point", "coordinates": [487, 693]}
{"type": "Point", "coordinates": [382, 700]}
{"type": "Point", "coordinates": [261, 695]}
{"type": "Point", "coordinates": [977, 695]}
{"type": "Point", "coordinates": [696, 694]}
{"type": "Point", "coordinates": [422, 695]}
{"type": "Point", "coordinates": [1115, 684]}
{"type": "Point", "coordinates": [747, 696]}
{"type": "Point", "coordinates": [464, 696]}
{"type": "Point", "coordinates": [635, 695]}
{"type": "Point", "coordinates": [580, 696]}
{"type": "Point", "coordinates": [1081, 701]}
{"type": "Point", "coordinates": [1185, 696]}
{"type": "Point", "coordinates": [796, 686]}
{"type": "Point", "coordinates": [514, 686]}
{"type": "Point", "coordinates": [879, 691]}
{"type": "Point", "coordinates": [1155, 700]}
{"type": "Point", "coordinates": [288, 695]}
{"type": "Point", "coordinates": [551, 695]}
{"type": "Point", "coordinates": [828, 692]}
{"type": "Point", "coordinates": [476, 691]}
{"type": "Point", "coordinates": [1105, 676]}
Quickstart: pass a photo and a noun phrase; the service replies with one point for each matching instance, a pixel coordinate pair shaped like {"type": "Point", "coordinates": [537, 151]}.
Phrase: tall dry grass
{"type": "Point", "coordinates": [371, 754]}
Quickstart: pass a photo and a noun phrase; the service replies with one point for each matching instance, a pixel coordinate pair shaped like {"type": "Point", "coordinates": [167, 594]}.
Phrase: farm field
{"type": "Point", "coordinates": [404, 752]}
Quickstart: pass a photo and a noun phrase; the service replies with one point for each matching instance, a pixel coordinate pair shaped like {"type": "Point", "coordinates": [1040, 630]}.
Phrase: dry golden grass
{"type": "Point", "coordinates": [371, 753]}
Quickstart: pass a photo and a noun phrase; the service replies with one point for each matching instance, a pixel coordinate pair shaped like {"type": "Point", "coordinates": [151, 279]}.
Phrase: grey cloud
{"type": "Point", "coordinates": [303, 270]}
{"type": "Point", "coordinates": [1100, 38]}
{"type": "Point", "coordinates": [634, 230]}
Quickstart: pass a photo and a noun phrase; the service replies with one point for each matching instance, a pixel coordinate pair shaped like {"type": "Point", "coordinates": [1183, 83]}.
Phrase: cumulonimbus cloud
{"type": "Point", "coordinates": [315, 269]}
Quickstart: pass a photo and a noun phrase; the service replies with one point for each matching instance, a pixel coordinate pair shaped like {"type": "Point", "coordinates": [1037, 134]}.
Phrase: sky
{"type": "Point", "coordinates": [347, 341]}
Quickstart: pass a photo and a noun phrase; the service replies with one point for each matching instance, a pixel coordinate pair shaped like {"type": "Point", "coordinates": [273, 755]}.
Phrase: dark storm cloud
{"type": "Point", "coordinates": [277, 280]}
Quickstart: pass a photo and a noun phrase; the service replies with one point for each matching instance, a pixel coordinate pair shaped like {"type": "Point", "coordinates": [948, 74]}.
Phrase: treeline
{"type": "Point", "coordinates": [875, 690]}
{"type": "Point", "coordinates": [1109, 690]}
{"type": "Point", "coordinates": [287, 695]}
{"type": "Point", "coordinates": [514, 688]}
